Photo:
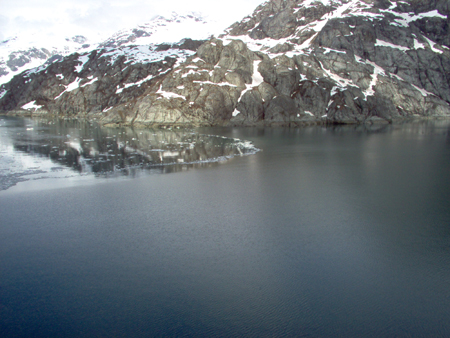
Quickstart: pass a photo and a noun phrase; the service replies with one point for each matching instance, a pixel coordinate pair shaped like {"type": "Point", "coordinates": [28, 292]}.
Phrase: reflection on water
{"type": "Point", "coordinates": [338, 231]}
{"type": "Point", "coordinates": [32, 149]}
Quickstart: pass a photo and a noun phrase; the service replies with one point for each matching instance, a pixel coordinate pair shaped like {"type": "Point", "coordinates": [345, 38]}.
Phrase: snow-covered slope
{"type": "Point", "coordinates": [94, 81]}
{"type": "Point", "coordinates": [161, 29]}
{"type": "Point", "coordinates": [21, 53]}
{"type": "Point", "coordinates": [300, 22]}
{"type": "Point", "coordinates": [291, 62]}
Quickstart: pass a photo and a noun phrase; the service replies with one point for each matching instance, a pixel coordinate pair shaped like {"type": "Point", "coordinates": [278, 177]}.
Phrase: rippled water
{"type": "Point", "coordinates": [38, 149]}
{"type": "Point", "coordinates": [326, 232]}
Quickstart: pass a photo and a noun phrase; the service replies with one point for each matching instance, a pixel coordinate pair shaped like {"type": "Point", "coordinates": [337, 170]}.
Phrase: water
{"type": "Point", "coordinates": [40, 149]}
{"type": "Point", "coordinates": [340, 232]}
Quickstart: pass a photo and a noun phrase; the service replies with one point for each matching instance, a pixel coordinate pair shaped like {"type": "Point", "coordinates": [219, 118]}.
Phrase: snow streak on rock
{"type": "Point", "coordinates": [291, 62]}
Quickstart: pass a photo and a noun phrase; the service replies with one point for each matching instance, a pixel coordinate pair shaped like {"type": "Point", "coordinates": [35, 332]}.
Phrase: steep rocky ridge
{"type": "Point", "coordinates": [25, 52]}
{"type": "Point", "coordinates": [22, 53]}
{"type": "Point", "coordinates": [92, 83]}
{"type": "Point", "coordinates": [289, 63]}
{"type": "Point", "coordinates": [160, 29]}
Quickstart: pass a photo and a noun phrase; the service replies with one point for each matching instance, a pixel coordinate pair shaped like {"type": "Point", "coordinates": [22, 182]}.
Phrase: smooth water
{"type": "Point", "coordinates": [326, 232]}
{"type": "Point", "coordinates": [40, 149]}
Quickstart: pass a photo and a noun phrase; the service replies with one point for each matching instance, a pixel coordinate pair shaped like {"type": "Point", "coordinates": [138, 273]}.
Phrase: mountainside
{"type": "Point", "coordinates": [92, 82]}
{"type": "Point", "coordinates": [289, 63]}
{"type": "Point", "coordinates": [161, 29]}
{"type": "Point", "coordinates": [22, 53]}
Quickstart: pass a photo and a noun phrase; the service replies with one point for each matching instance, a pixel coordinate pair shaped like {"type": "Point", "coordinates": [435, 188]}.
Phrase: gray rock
{"type": "Point", "coordinates": [277, 26]}
{"type": "Point", "coordinates": [300, 65]}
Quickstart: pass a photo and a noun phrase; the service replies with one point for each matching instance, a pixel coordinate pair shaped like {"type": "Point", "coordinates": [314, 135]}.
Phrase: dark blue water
{"type": "Point", "coordinates": [341, 232]}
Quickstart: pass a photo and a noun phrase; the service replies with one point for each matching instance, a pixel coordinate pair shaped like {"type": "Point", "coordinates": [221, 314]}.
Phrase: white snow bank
{"type": "Point", "coordinates": [138, 83]}
{"type": "Point", "coordinates": [90, 82]}
{"type": "Point", "coordinates": [406, 18]}
{"type": "Point", "coordinates": [422, 91]}
{"type": "Point", "coordinates": [216, 84]}
{"type": "Point", "coordinates": [31, 105]}
{"type": "Point", "coordinates": [169, 95]}
{"type": "Point", "coordinates": [382, 43]}
{"type": "Point", "coordinates": [83, 59]}
{"type": "Point", "coordinates": [431, 44]}
{"type": "Point", "coordinates": [418, 45]}
{"type": "Point", "coordinates": [145, 54]}
{"type": "Point", "coordinates": [257, 78]}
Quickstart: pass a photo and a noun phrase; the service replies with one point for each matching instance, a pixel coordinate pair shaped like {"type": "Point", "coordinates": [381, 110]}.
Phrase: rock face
{"type": "Point", "coordinates": [19, 54]}
{"type": "Point", "coordinates": [25, 52]}
{"type": "Point", "coordinates": [91, 83]}
{"type": "Point", "coordinates": [289, 63]}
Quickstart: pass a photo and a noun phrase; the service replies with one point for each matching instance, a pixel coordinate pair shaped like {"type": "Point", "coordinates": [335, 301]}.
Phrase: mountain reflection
{"type": "Point", "coordinates": [89, 148]}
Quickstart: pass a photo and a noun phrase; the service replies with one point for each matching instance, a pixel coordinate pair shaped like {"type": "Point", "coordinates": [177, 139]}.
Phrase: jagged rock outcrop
{"type": "Point", "coordinates": [91, 83]}
{"type": "Point", "coordinates": [290, 63]}
{"type": "Point", "coordinates": [19, 59]}
{"type": "Point", "coordinates": [18, 54]}
{"type": "Point", "coordinates": [26, 51]}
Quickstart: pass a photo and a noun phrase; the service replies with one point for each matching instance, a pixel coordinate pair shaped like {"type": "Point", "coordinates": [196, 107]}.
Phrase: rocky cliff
{"type": "Point", "coordinates": [18, 54]}
{"type": "Point", "coordinates": [27, 51]}
{"type": "Point", "coordinates": [289, 63]}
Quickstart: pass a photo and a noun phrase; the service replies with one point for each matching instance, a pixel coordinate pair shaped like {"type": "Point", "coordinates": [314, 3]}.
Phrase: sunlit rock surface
{"type": "Point", "coordinates": [289, 63]}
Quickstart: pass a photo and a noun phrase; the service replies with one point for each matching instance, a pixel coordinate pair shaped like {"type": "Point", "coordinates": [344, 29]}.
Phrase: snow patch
{"type": "Point", "coordinates": [310, 3]}
{"type": "Point", "coordinates": [257, 78]}
{"type": "Point", "coordinates": [418, 45]}
{"type": "Point", "coordinates": [90, 82]}
{"type": "Point", "coordinates": [74, 85]}
{"type": "Point", "coordinates": [381, 43]}
{"type": "Point", "coordinates": [145, 54]}
{"type": "Point", "coordinates": [334, 90]}
{"type": "Point", "coordinates": [340, 81]}
{"type": "Point", "coordinates": [83, 59]}
{"type": "Point", "coordinates": [216, 84]}
{"type": "Point", "coordinates": [138, 83]}
{"type": "Point", "coordinates": [70, 87]}
{"type": "Point", "coordinates": [432, 44]}
{"type": "Point", "coordinates": [406, 18]}
{"type": "Point", "coordinates": [376, 70]}
{"type": "Point", "coordinates": [169, 95]}
{"type": "Point", "coordinates": [197, 59]}
{"type": "Point", "coordinates": [328, 50]}
{"type": "Point", "coordinates": [190, 72]}
{"type": "Point", "coordinates": [422, 91]}
{"type": "Point", "coordinates": [31, 105]}
{"type": "Point", "coordinates": [35, 70]}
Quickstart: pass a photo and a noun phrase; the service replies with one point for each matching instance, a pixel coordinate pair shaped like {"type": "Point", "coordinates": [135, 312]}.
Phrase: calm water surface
{"type": "Point", "coordinates": [326, 232]}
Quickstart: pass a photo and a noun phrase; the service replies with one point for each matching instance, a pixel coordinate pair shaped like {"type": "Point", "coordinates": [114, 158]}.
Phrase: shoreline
{"type": "Point", "coordinates": [300, 123]}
